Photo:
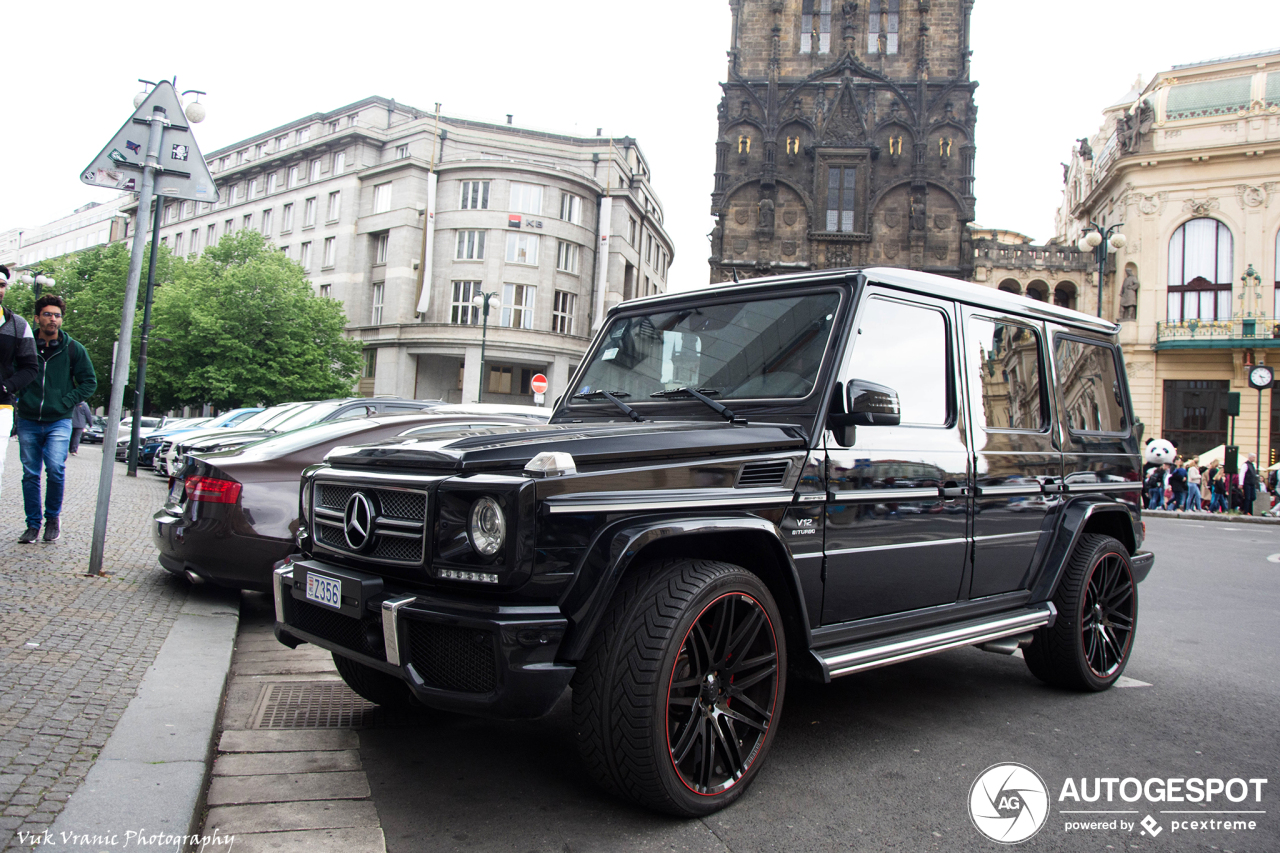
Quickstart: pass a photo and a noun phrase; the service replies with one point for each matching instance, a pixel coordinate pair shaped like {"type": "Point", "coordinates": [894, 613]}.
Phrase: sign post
{"type": "Point", "coordinates": [171, 167]}
{"type": "Point", "coordinates": [538, 384]}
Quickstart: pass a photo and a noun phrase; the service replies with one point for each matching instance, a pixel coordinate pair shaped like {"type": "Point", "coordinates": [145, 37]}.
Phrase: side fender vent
{"type": "Point", "coordinates": [763, 474]}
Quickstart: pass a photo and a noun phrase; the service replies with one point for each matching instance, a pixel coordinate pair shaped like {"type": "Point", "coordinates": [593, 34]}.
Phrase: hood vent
{"type": "Point", "coordinates": [763, 474]}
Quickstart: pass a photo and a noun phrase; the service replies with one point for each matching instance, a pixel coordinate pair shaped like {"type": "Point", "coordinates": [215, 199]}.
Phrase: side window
{"type": "Point", "coordinates": [905, 348]}
{"type": "Point", "coordinates": [1006, 372]}
{"type": "Point", "coordinates": [1092, 397]}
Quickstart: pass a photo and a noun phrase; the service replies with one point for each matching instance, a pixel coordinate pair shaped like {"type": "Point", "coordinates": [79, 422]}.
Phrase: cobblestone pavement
{"type": "Point", "coordinates": [73, 649]}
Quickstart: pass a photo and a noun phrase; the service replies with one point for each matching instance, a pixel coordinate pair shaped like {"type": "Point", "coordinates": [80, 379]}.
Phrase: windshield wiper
{"type": "Point", "coordinates": [724, 411]}
{"type": "Point", "coordinates": [612, 398]}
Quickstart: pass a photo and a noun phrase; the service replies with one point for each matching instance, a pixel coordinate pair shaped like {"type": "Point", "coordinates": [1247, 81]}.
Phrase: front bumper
{"type": "Point", "coordinates": [476, 658]}
{"type": "Point", "coordinates": [1142, 562]}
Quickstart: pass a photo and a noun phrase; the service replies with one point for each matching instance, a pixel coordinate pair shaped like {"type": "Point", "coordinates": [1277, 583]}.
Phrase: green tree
{"type": "Point", "coordinates": [93, 284]}
{"type": "Point", "coordinates": [244, 327]}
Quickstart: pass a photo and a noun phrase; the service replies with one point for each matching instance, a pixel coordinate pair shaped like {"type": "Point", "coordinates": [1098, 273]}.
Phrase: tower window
{"type": "Point", "coordinates": [840, 198]}
{"type": "Point", "coordinates": [882, 27]}
{"type": "Point", "coordinates": [815, 12]}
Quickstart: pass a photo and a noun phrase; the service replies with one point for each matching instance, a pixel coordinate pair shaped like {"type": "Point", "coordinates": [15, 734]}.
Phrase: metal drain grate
{"type": "Point", "coordinates": [312, 705]}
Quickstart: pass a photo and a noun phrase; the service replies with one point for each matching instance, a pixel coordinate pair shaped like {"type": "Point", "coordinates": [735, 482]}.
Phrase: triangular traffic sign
{"type": "Point", "coordinates": [182, 171]}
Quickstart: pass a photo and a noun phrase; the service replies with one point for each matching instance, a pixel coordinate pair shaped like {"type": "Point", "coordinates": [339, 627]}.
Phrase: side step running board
{"type": "Point", "coordinates": [870, 654]}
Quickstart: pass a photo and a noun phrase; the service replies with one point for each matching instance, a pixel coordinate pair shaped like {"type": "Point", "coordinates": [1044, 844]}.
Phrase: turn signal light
{"type": "Point", "coordinates": [212, 490]}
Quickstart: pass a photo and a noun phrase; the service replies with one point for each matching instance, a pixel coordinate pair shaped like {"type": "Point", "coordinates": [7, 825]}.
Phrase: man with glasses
{"type": "Point", "coordinates": [17, 363]}
{"type": "Point", "coordinates": [64, 377]}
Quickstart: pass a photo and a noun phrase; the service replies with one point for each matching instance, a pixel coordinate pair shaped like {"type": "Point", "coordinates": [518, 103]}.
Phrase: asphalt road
{"type": "Point", "coordinates": [885, 760]}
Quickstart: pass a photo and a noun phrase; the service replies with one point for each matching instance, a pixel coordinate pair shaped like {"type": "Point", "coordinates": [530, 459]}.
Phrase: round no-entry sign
{"type": "Point", "coordinates": [538, 384]}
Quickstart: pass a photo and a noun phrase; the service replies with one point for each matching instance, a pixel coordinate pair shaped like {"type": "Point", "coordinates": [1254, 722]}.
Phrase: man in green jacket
{"type": "Point", "coordinates": [65, 377]}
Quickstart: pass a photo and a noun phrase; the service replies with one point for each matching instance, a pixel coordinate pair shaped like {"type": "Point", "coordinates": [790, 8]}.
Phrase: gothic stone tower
{"type": "Point", "coordinates": [846, 138]}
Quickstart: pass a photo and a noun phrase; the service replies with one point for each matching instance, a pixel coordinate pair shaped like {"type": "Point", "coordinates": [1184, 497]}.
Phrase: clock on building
{"type": "Point", "coordinates": [1260, 377]}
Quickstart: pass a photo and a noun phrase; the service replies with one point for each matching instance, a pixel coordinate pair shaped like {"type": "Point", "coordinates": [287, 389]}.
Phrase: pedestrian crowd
{"type": "Point", "coordinates": [1186, 485]}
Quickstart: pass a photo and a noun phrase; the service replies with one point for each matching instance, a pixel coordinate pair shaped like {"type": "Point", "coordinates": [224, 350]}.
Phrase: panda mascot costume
{"type": "Point", "coordinates": [1158, 453]}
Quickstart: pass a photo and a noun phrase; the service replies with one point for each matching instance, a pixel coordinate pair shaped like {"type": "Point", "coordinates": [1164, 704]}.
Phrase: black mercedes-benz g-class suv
{"type": "Point", "coordinates": [809, 475]}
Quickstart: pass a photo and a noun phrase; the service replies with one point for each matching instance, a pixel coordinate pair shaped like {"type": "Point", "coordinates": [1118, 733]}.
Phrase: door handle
{"type": "Point", "coordinates": [951, 490]}
{"type": "Point", "coordinates": [1052, 486]}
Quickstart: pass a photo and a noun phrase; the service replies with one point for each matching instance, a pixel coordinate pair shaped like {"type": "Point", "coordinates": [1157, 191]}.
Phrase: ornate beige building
{"type": "Point", "coordinates": [1188, 167]}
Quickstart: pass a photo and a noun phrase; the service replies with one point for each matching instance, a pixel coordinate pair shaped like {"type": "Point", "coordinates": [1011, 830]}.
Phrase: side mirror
{"type": "Point", "coordinates": [870, 404]}
{"type": "Point", "coordinates": [863, 404]}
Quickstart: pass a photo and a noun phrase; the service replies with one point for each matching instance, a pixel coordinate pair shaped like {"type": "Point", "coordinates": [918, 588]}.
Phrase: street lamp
{"type": "Point", "coordinates": [484, 301]}
{"type": "Point", "coordinates": [1101, 242]}
{"type": "Point", "coordinates": [36, 278]}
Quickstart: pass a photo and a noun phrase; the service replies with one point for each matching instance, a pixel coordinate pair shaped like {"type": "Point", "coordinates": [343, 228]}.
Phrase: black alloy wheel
{"type": "Point", "coordinates": [1089, 645]}
{"type": "Point", "coordinates": [722, 692]}
{"type": "Point", "coordinates": [1107, 615]}
{"type": "Point", "coordinates": [678, 698]}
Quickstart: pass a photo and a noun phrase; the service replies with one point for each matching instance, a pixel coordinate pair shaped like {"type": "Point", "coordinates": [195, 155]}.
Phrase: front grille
{"type": "Point", "coordinates": [398, 511]}
{"type": "Point", "coordinates": [397, 549]}
{"type": "Point", "coordinates": [349, 633]}
{"type": "Point", "coordinates": [452, 658]}
{"type": "Point", "coordinates": [330, 496]}
{"type": "Point", "coordinates": [408, 506]}
{"type": "Point", "coordinates": [763, 474]}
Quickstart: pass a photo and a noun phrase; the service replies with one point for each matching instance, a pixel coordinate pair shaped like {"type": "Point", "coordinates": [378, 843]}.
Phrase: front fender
{"type": "Point", "coordinates": [617, 547]}
{"type": "Point", "coordinates": [1074, 521]}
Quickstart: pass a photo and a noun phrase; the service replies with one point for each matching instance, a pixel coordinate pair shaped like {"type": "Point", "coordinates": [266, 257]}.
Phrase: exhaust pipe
{"type": "Point", "coordinates": [197, 580]}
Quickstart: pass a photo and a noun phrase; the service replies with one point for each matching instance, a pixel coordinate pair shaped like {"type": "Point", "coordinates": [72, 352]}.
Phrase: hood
{"type": "Point", "coordinates": [590, 444]}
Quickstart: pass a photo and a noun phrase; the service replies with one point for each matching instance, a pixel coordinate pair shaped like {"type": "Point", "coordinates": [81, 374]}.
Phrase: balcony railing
{"type": "Point", "coordinates": [1240, 331]}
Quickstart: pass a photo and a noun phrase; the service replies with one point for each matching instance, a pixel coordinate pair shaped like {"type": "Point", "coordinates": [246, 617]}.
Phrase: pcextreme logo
{"type": "Point", "coordinates": [1008, 803]}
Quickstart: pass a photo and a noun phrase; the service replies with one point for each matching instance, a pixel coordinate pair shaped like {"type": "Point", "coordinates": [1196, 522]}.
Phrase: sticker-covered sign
{"type": "Point", "coordinates": [181, 171]}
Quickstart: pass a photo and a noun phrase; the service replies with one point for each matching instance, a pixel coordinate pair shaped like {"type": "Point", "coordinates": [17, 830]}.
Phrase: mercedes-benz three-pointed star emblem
{"type": "Point", "coordinates": [357, 521]}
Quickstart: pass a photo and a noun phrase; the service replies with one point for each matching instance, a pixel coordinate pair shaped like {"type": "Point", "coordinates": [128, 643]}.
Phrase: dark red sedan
{"type": "Point", "coordinates": [231, 515]}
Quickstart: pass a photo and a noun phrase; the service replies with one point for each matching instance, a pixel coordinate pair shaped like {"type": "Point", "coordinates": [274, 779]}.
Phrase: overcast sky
{"type": "Point", "coordinates": [649, 70]}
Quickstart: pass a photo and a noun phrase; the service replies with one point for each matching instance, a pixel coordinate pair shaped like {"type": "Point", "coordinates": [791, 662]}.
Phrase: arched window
{"type": "Point", "coordinates": [1038, 291]}
{"type": "Point", "coordinates": [1276, 258]}
{"type": "Point", "coordinates": [1010, 285]}
{"type": "Point", "coordinates": [1200, 271]}
{"type": "Point", "coordinates": [1064, 295]}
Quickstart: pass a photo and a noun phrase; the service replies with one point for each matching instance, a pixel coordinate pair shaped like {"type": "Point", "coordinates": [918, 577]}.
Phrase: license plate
{"type": "Point", "coordinates": [326, 591]}
{"type": "Point", "coordinates": [175, 491]}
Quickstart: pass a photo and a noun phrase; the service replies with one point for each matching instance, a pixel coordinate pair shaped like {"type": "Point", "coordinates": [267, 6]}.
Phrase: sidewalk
{"type": "Point", "coordinates": [1211, 516]}
{"type": "Point", "coordinates": [75, 651]}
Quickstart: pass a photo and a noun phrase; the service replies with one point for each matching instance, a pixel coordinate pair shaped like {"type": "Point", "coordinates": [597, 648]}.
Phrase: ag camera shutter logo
{"type": "Point", "coordinates": [1009, 803]}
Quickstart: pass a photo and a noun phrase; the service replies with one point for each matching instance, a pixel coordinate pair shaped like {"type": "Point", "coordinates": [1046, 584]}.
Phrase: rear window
{"type": "Point", "coordinates": [1092, 396]}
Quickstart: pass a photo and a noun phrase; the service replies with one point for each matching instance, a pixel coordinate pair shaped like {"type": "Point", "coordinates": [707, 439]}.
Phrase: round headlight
{"type": "Point", "coordinates": [488, 528]}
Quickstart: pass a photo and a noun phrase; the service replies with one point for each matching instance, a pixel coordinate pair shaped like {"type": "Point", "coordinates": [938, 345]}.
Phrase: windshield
{"type": "Point", "coordinates": [767, 348]}
{"type": "Point", "coordinates": [266, 416]}
{"type": "Point", "coordinates": [306, 416]}
{"type": "Point", "coordinates": [306, 437]}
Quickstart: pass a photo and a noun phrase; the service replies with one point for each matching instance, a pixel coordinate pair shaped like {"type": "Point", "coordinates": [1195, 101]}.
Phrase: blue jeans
{"type": "Point", "coordinates": [1194, 502]}
{"type": "Point", "coordinates": [43, 443]}
{"type": "Point", "coordinates": [1219, 502]}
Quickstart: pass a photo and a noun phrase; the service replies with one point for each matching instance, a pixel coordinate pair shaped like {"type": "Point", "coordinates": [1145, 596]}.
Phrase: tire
{"type": "Point", "coordinates": [1089, 645]}
{"type": "Point", "coordinates": [374, 685]}
{"type": "Point", "coordinates": [663, 714]}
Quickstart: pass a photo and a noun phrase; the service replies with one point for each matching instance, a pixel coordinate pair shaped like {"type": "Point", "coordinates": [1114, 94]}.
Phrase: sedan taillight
{"type": "Point", "coordinates": [212, 490]}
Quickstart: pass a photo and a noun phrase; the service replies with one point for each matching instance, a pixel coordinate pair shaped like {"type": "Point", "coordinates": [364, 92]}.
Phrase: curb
{"type": "Point", "coordinates": [1210, 516]}
{"type": "Point", "coordinates": [149, 780]}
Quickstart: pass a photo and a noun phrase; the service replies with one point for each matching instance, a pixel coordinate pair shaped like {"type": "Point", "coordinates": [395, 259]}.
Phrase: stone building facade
{"type": "Point", "coordinates": [845, 137]}
{"type": "Point", "coordinates": [1189, 167]}
{"type": "Point", "coordinates": [89, 225]}
{"type": "Point", "coordinates": [1054, 272]}
{"type": "Point", "coordinates": [405, 216]}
